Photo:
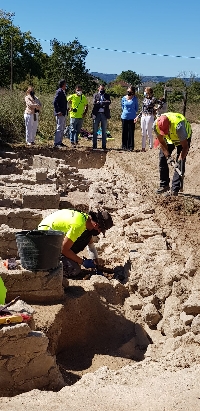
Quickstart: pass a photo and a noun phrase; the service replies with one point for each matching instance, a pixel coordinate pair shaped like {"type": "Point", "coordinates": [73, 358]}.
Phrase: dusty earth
{"type": "Point", "coordinates": [156, 240]}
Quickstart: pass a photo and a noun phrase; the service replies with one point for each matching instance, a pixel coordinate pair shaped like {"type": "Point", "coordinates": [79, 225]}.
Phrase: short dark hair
{"type": "Point", "coordinates": [61, 83]}
{"type": "Point", "coordinates": [93, 216]}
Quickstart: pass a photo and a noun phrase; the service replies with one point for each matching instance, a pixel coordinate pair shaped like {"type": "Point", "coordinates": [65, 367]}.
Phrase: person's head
{"type": "Point", "coordinates": [101, 89]}
{"type": "Point", "coordinates": [78, 90]}
{"type": "Point", "coordinates": [131, 91]}
{"type": "Point", "coordinates": [30, 90]}
{"type": "Point", "coordinates": [62, 84]}
{"type": "Point", "coordinates": [100, 221]}
{"type": "Point", "coordinates": [163, 124]}
{"type": "Point", "coordinates": [148, 92]}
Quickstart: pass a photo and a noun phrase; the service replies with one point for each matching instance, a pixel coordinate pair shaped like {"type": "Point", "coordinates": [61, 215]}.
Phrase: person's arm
{"type": "Point", "coordinates": [30, 104]}
{"type": "Point", "coordinates": [136, 104]}
{"type": "Point", "coordinates": [56, 104]}
{"type": "Point", "coordinates": [86, 110]}
{"type": "Point", "coordinates": [107, 100]}
{"type": "Point", "coordinates": [182, 135]}
{"type": "Point", "coordinates": [185, 148]}
{"type": "Point", "coordinates": [96, 101]}
{"type": "Point", "coordinates": [163, 145]}
{"type": "Point", "coordinates": [92, 251]}
{"type": "Point", "coordinates": [67, 252]}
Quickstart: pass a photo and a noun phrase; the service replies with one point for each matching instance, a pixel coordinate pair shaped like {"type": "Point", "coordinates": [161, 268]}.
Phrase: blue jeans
{"type": "Point", "coordinates": [164, 169]}
{"type": "Point", "coordinates": [60, 126]}
{"type": "Point", "coordinates": [75, 128]}
{"type": "Point", "coordinates": [100, 118]}
{"type": "Point", "coordinates": [70, 267]}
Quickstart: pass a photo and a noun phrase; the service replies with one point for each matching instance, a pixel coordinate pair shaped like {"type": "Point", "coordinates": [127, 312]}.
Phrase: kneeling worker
{"type": "Point", "coordinates": [79, 229]}
{"type": "Point", "coordinates": [172, 130]}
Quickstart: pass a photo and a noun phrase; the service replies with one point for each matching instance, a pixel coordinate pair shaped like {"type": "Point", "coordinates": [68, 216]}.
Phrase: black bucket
{"type": "Point", "coordinates": [39, 250]}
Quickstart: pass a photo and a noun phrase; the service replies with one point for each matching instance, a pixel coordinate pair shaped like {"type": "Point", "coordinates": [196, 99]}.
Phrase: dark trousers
{"type": "Point", "coordinates": [128, 130]}
{"type": "Point", "coordinates": [164, 169]}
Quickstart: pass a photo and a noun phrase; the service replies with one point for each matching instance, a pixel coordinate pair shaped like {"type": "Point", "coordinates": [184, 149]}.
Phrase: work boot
{"type": "Point", "coordinates": [171, 193]}
{"type": "Point", "coordinates": [162, 190]}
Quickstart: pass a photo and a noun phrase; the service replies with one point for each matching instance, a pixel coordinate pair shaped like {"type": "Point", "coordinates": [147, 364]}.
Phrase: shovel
{"type": "Point", "coordinates": [180, 172]}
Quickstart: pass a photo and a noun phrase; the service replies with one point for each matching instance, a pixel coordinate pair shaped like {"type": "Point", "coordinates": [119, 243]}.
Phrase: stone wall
{"type": "Point", "coordinates": [25, 362]}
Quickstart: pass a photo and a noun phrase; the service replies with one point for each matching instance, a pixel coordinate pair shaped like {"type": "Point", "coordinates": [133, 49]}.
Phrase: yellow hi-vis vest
{"type": "Point", "coordinates": [175, 119]}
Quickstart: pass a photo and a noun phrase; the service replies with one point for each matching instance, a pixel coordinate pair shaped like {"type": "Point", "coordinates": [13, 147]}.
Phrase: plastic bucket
{"type": "Point", "coordinates": [39, 250]}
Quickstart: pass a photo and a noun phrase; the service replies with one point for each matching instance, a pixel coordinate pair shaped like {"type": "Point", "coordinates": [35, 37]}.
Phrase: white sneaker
{"type": "Point", "coordinates": [28, 144]}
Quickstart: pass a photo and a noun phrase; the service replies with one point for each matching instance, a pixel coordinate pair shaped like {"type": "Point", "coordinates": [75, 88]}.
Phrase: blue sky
{"type": "Point", "coordinates": [168, 27]}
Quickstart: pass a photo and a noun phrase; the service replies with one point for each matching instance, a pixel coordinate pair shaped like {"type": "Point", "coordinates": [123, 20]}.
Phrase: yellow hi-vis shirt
{"type": "Point", "coordinates": [79, 103]}
{"type": "Point", "coordinates": [70, 222]}
{"type": "Point", "coordinates": [3, 291]}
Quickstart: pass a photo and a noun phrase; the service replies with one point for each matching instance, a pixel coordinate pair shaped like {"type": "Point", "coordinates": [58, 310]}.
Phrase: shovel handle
{"type": "Point", "coordinates": [10, 303]}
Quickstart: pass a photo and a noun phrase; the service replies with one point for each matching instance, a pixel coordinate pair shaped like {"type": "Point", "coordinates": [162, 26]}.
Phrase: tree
{"type": "Point", "coordinates": [68, 61]}
{"type": "Point", "coordinates": [23, 50]}
{"type": "Point", "coordinates": [130, 77]}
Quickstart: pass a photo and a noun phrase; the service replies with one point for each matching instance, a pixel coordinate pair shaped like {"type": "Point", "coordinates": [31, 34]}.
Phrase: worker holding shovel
{"type": "Point", "coordinates": [173, 131]}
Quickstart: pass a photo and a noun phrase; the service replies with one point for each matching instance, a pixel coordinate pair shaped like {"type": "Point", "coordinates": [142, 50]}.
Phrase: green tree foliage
{"type": "Point", "coordinates": [68, 61]}
{"type": "Point", "coordinates": [27, 54]}
{"type": "Point", "coordinates": [130, 77]}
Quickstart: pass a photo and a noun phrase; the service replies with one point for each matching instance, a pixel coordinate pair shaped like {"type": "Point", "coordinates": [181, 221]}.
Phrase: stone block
{"type": "Point", "coordinates": [34, 286]}
{"type": "Point", "coordinates": [187, 319]}
{"type": "Point", "coordinates": [18, 331]}
{"type": "Point", "coordinates": [192, 305]}
{"type": "Point", "coordinates": [41, 175]}
{"type": "Point", "coordinates": [195, 327]}
{"type": "Point", "coordinates": [150, 314]}
{"type": "Point", "coordinates": [133, 302]}
{"type": "Point", "coordinates": [41, 200]}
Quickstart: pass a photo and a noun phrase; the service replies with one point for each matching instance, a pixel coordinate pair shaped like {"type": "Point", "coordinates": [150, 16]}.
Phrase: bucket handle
{"type": "Point", "coordinates": [44, 225]}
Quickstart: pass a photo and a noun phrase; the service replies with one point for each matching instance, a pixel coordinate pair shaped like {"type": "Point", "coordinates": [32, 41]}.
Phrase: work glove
{"type": "Point", "coordinates": [178, 165]}
{"type": "Point", "coordinates": [170, 161]}
{"type": "Point", "coordinates": [87, 263]}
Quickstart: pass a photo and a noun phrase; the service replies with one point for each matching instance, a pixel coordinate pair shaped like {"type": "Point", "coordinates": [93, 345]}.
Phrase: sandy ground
{"type": "Point", "coordinates": [120, 384]}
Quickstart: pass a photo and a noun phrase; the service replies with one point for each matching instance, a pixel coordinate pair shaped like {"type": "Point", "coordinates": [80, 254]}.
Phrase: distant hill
{"type": "Point", "coordinates": [105, 77]}
{"type": "Point", "coordinates": [108, 78]}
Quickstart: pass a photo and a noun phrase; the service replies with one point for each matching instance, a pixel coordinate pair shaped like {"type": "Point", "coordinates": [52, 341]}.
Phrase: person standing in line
{"type": "Point", "coordinates": [31, 106]}
{"type": "Point", "coordinates": [129, 105]}
{"type": "Point", "coordinates": [78, 107]}
{"type": "Point", "coordinates": [100, 114]}
{"type": "Point", "coordinates": [36, 116]}
{"type": "Point", "coordinates": [147, 117]}
{"type": "Point", "coordinates": [60, 111]}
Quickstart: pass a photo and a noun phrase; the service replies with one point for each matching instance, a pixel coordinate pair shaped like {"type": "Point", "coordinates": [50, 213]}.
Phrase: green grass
{"type": "Point", "coordinates": [12, 129]}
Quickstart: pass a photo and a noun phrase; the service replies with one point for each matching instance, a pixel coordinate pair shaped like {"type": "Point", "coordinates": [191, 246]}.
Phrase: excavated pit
{"type": "Point", "coordinates": [152, 314]}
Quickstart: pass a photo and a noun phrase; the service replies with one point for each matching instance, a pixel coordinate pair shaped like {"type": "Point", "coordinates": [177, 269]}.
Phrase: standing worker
{"type": "Point", "coordinates": [172, 130]}
{"type": "Point", "coordinates": [78, 107]}
{"type": "Point", "coordinates": [79, 229]}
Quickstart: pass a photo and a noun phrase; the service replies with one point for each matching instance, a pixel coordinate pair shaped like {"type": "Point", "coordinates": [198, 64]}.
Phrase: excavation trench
{"type": "Point", "coordinates": [90, 329]}
{"type": "Point", "coordinates": [101, 321]}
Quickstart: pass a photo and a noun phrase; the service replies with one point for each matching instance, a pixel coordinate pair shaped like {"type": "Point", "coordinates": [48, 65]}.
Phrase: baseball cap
{"type": "Point", "coordinates": [104, 220]}
{"type": "Point", "coordinates": [163, 125]}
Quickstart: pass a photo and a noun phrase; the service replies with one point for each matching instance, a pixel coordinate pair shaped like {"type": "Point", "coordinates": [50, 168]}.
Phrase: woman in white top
{"type": "Point", "coordinates": [33, 107]}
